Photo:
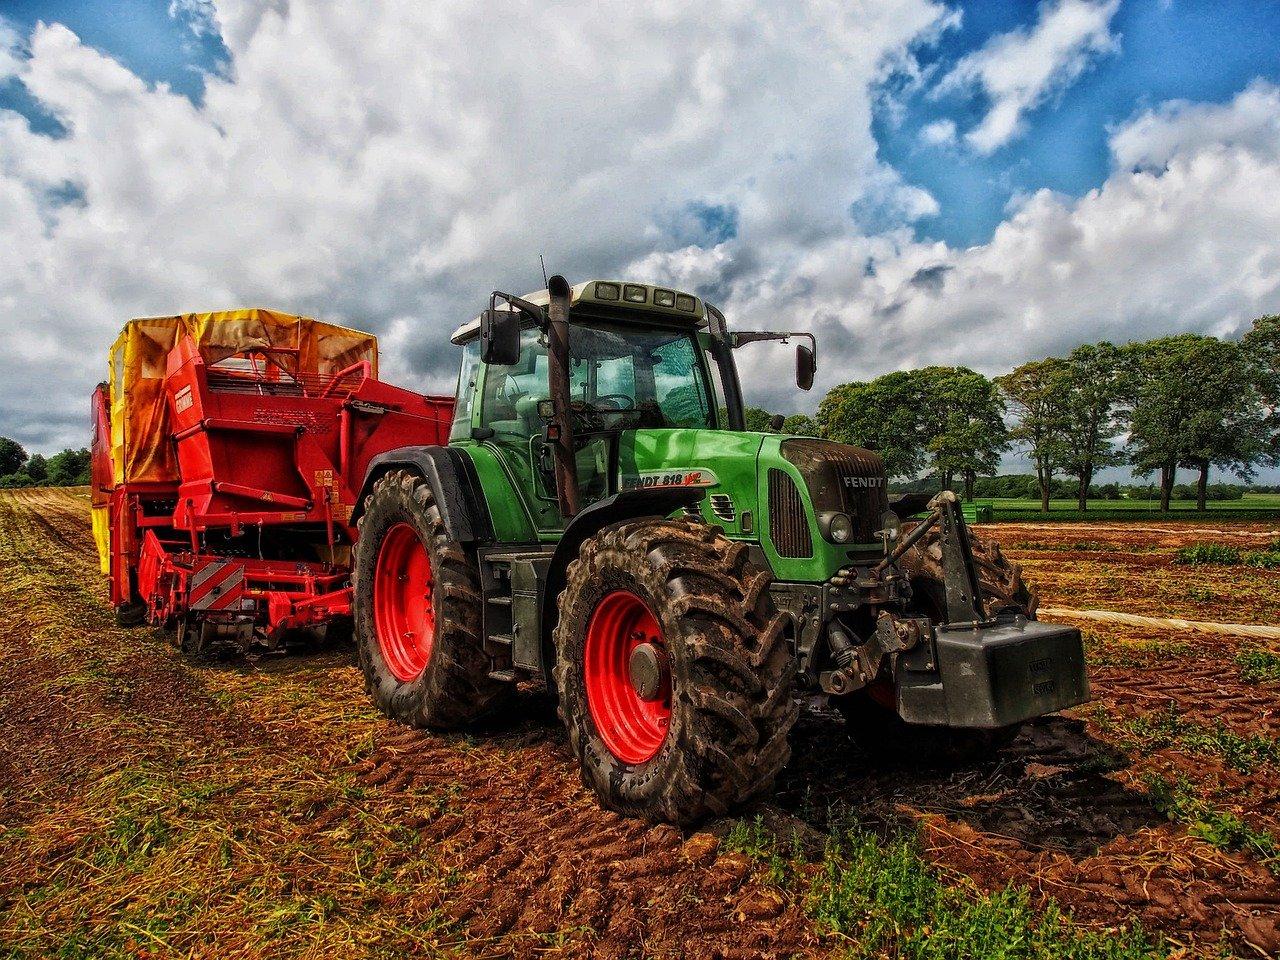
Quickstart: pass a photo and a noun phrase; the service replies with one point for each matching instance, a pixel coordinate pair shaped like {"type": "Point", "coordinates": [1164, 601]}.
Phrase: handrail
{"type": "Point", "coordinates": [343, 373]}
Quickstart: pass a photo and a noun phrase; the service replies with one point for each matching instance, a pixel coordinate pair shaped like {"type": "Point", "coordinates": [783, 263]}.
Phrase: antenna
{"type": "Point", "coordinates": [544, 269]}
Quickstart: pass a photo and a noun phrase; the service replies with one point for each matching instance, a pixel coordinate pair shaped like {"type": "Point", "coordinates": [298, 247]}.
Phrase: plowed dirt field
{"type": "Point", "coordinates": [149, 807]}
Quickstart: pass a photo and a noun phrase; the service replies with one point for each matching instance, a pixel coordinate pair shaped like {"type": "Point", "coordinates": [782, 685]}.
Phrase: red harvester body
{"type": "Point", "coordinates": [228, 452]}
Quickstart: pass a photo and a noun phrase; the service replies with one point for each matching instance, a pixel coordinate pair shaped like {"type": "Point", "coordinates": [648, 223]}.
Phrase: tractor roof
{"type": "Point", "coordinates": [661, 303]}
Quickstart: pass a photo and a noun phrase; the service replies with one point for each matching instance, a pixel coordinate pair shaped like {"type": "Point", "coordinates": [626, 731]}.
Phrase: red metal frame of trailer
{"type": "Point", "coordinates": [255, 533]}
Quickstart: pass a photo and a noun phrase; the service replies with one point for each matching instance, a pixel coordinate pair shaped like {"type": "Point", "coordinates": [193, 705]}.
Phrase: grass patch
{"type": "Point", "coordinates": [1138, 653]}
{"type": "Point", "coordinates": [886, 898]}
{"type": "Point", "coordinates": [1258, 665]}
{"type": "Point", "coordinates": [882, 898]}
{"type": "Point", "coordinates": [1163, 728]}
{"type": "Point", "coordinates": [1177, 801]}
{"type": "Point", "coordinates": [1219, 554]}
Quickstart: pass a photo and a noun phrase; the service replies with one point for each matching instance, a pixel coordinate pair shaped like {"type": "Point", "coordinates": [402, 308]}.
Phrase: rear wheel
{"type": "Point", "coordinates": [674, 677]}
{"type": "Point", "coordinates": [417, 611]}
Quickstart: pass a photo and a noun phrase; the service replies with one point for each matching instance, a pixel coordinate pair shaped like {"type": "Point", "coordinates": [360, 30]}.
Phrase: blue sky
{"type": "Point", "coordinates": [1200, 50]}
{"type": "Point", "coordinates": [916, 181]}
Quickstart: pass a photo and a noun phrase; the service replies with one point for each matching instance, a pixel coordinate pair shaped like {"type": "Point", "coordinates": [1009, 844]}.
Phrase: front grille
{"type": "Point", "coordinates": [788, 522]}
{"type": "Point", "coordinates": [845, 479]}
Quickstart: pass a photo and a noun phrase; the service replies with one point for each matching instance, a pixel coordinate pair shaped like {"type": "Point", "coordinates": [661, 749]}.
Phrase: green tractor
{"type": "Point", "coordinates": [601, 521]}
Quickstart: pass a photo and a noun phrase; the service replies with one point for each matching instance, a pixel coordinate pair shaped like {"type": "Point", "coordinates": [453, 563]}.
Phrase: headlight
{"type": "Point", "coordinates": [840, 527]}
{"type": "Point", "coordinates": [890, 526]}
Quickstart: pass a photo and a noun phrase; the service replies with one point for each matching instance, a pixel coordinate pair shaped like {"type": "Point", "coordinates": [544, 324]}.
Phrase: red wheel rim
{"type": "Point", "coordinates": [402, 614]}
{"type": "Point", "coordinates": [632, 727]}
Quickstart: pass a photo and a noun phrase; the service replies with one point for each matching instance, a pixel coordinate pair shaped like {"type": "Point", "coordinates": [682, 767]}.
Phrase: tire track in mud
{"type": "Point", "coordinates": [525, 861]}
{"type": "Point", "coordinates": [537, 866]}
{"type": "Point", "coordinates": [535, 853]}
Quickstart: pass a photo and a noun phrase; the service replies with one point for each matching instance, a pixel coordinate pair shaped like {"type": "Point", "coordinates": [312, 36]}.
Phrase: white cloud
{"type": "Point", "coordinates": [1251, 120]}
{"type": "Point", "coordinates": [1019, 70]}
{"type": "Point", "coordinates": [1188, 241]}
{"type": "Point", "coordinates": [939, 133]}
{"type": "Point", "coordinates": [389, 164]}
{"type": "Point", "coordinates": [199, 16]}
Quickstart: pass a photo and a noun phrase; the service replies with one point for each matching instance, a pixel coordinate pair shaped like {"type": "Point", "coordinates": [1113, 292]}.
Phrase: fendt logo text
{"type": "Point", "coordinates": [863, 482]}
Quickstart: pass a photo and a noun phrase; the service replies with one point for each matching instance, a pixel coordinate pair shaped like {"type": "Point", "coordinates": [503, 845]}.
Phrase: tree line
{"type": "Point", "coordinates": [1184, 402]}
{"type": "Point", "coordinates": [18, 469]}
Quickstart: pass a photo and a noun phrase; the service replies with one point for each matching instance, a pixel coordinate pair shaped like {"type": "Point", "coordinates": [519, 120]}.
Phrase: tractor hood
{"type": "Point", "coordinates": [722, 462]}
{"type": "Point", "coordinates": [782, 491]}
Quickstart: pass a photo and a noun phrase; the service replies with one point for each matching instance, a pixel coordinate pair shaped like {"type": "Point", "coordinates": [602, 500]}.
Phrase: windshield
{"type": "Point", "coordinates": [620, 377]}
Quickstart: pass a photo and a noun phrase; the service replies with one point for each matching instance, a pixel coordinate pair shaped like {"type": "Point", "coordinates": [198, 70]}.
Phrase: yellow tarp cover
{"type": "Point", "coordinates": [102, 536]}
{"type": "Point", "coordinates": [140, 447]}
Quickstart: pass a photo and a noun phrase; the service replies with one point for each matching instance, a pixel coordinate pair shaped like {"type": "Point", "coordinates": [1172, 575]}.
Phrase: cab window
{"type": "Point", "coordinates": [512, 393]}
{"type": "Point", "coordinates": [466, 392]}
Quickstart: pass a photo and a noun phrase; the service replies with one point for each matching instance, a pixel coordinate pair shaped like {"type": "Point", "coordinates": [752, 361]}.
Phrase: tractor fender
{"type": "Point", "coordinates": [454, 485]}
{"type": "Point", "coordinates": [626, 505]}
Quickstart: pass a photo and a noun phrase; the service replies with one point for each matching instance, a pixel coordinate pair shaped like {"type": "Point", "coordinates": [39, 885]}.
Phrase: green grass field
{"type": "Point", "coordinates": [1251, 501]}
{"type": "Point", "coordinates": [1254, 506]}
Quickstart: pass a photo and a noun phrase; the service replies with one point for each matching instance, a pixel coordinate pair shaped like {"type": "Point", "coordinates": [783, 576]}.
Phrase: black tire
{"type": "Point", "coordinates": [879, 732]}
{"type": "Point", "coordinates": [454, 687]}
{"type": "Point", "coordinates": [132, 614]}
{"type": "Point", "coordinates": [731, 670]}
{"type": "Point", "coordinates": [1003, 587]}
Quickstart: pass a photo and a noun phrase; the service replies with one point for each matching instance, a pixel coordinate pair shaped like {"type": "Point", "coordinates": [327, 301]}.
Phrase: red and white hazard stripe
{"type": "Point", "coordinates": [216, 585]}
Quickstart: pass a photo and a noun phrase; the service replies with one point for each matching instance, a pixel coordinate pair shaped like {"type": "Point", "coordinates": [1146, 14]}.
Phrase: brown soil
{"type": "Point", "coordinates": [262, 808]}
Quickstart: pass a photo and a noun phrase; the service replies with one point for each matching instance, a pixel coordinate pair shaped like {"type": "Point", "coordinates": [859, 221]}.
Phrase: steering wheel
{"type": "Point", "coordinates": [620, 400]}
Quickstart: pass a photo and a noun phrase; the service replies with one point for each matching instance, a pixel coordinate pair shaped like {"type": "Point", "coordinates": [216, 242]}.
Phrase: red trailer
{"type": "Point", "coordinates": [228, 452]}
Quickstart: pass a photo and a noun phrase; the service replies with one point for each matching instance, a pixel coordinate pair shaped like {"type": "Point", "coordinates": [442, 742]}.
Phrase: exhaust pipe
{"type": "Point", "coordinates": [560, 429]}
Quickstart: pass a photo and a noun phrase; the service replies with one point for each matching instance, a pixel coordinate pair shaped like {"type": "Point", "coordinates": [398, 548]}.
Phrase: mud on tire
{"type": "Point", "coordinates": [454, 686]}
{"type": "Point", "coordinates": [1001, 580]}
{"type": "Point", "coordinates": [731, 670]}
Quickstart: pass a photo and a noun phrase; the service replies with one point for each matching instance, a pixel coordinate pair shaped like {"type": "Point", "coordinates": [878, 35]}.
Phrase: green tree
{"type": "Point", "coordinates": [1262, 349]}
{"type": "Point", "coordinates": [884, 415]}
{"type": "Point", "coordinates": [1228, 425]}
{"type": "Point", "coordinates": [963, 417]}
{"type": "Point", "coordinates": [38, 468]}
{"type": "Point", "coordinates": [12, 456]}
{"type": "Point", "coordinates": [1094, 387]}
{"type": "Point", "coordinates": [756, 419]}
{"type": "Point", "coordinates": [1037, 392]}
{"type": "Point", "coordinates": [800, 425]}
{"type": "Point", "coordinates": [1195, 401]}
{"type": "Point", "coordinates": [69, 468]}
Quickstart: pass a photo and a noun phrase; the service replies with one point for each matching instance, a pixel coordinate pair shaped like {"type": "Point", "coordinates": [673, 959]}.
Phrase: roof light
{"type": "Point", "coordinates": [685, 302]}
{"type": "Point", "coordinates": [634, 294]}
{"type": "Point", "coordinates": [607, 291]}
{"type": "Point", "coordinates": [664, 298]}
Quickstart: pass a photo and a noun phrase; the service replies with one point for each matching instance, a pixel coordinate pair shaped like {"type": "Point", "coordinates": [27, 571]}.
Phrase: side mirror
{"type": "Point", "coordinates": [776, 422]}
{"type": "Point", "coordinates": [500, 337]}
{"type": "Point", "coordinates": [806, 366]}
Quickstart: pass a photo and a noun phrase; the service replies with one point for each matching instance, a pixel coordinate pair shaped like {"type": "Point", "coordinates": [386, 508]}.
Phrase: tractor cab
{"type": "Point", "coordinates": [641, 360]}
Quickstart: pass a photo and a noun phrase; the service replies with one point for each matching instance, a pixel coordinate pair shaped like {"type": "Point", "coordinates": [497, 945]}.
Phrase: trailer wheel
{"type": "Point", "coordinates": [417, 611]}
{"type": "Point", "coordinates": [131, 614]}
{"type": "Point", "coordinates": [674, 677]}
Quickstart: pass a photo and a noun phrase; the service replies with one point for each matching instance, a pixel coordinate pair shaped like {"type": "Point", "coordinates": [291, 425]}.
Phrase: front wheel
{"type": "Point", "coordinates": [675, 679]}
{"type": "Point", "coordinates": [417, 611]}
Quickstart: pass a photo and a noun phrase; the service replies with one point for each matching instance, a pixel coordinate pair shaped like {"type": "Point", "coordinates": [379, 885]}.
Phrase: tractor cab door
{"type": "Point", "coordinates": [511, 398]}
